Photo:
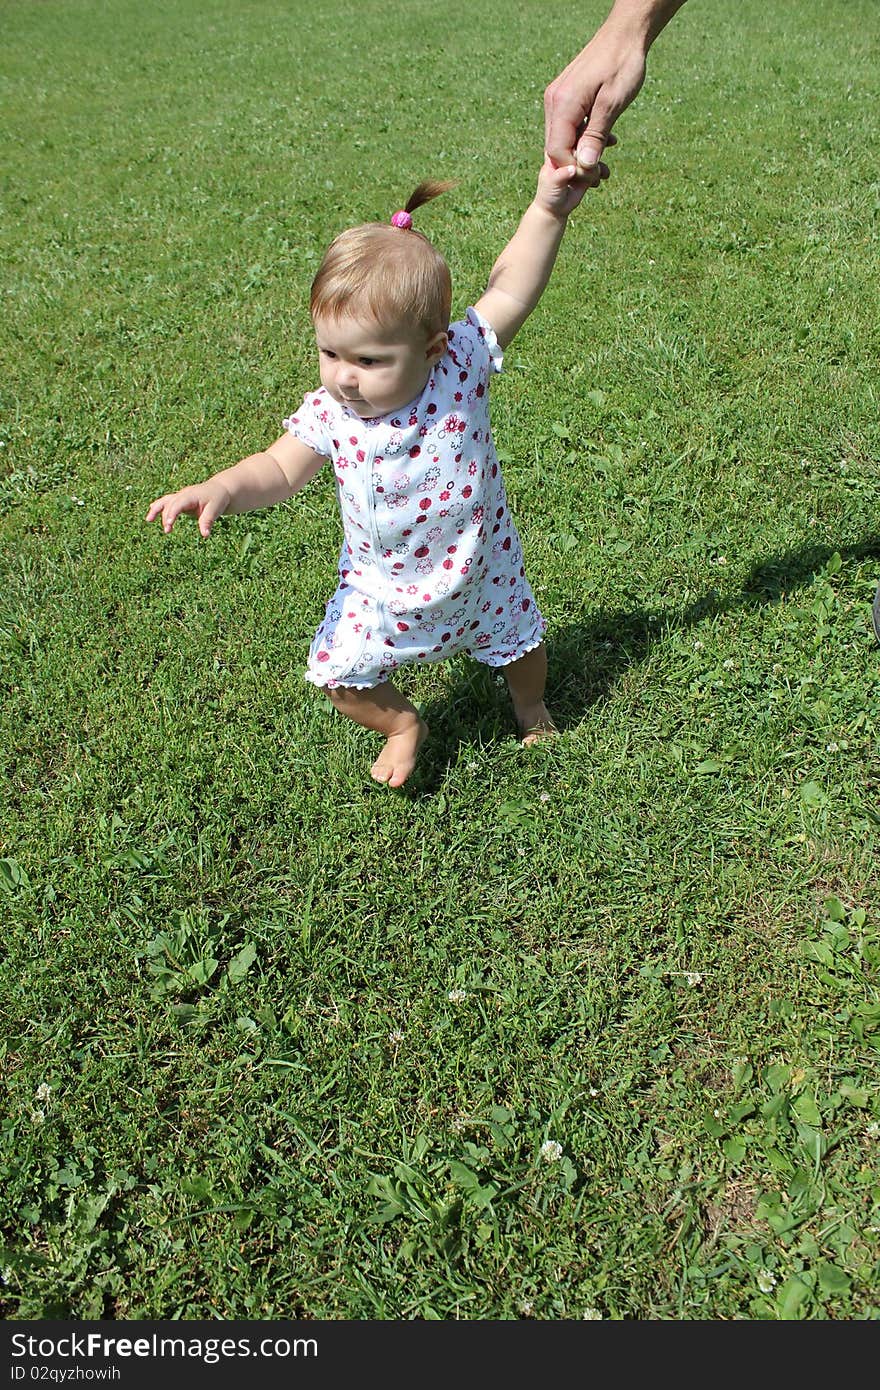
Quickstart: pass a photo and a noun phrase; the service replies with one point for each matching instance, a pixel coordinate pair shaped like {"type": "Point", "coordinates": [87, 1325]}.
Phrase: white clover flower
{"type": "Point", "coordinates": [693, 978]}
{"type": "Point", "coordinates": [395, 1036]}
{"type": "Point", "coordinates": [457, 996]}
{"type": "Point", "coordinates": [6, 1274]}
{"type": "Point", "coordinates": [593, 1092]}
{"type": "Point", "coordinates": [832, 747]}
{"type": "Point", "coordinates": [44, 1091]}
{"type": "Point", "coordinates": [38, 1117]}
{"type": "Point", "coordinates": [526, 1307]}
{"type": "Point", "coordinates": [729, 664]}
{"type": "Point", "coordinates": [545, 796]}
{"type": "Point", "coordinates": [592, 1315]}
{"type": "Point", "coordinates": [551, 1152]}
{"type": "Point", "coordinates": [873, 1130]}
{"type": "Point", "coordinates": [766, 1280]}
{"type": "Point", "coordinates": [698, 645]}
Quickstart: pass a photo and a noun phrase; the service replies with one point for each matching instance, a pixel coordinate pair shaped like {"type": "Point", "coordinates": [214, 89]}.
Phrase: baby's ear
{"type": "Point", "coordinates": [437, 346]}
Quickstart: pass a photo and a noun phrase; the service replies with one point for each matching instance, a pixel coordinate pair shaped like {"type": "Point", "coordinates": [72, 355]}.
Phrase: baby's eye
{"type": "Point", "coordinates": [368, 361]}
{"type": "Point", "coordinates": [326, 352]}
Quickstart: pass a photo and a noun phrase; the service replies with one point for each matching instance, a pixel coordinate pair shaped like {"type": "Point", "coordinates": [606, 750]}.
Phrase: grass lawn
{"type": "Point", "coordinates": [588, 1030]}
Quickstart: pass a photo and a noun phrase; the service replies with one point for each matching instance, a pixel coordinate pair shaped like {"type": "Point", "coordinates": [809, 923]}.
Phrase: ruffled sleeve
{"type": "Point", "coordinates": [487, 343]}
{"type": "Point", "coordinates": [313, 423]}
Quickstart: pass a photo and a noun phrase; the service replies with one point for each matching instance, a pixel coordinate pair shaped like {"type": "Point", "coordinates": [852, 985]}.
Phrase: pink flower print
{"type": "Point", "coordinates": [483, 640]}
{"type": "Point", "coordinates": [424, 567]}
{"type": "Point", "coordinates": [458, 398]}
{"type": "Point", "coordinates": [445, 495]}
{"type": "Point", "coordinates": [477, 514]}
{"type": "Point", "coordinates": [412, 588]}
{"type": "Point", "coordinates": [452, 425]}
{"type": "Point", "coordinates": [401, 481]}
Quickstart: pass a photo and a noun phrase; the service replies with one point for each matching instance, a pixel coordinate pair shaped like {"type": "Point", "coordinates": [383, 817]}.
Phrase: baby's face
{"type": "Point", "coordinates": [372, 368]}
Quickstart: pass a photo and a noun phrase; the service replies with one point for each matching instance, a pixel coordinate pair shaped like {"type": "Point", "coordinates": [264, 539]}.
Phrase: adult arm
{"type": "Point", "coordinates": [583, 102]}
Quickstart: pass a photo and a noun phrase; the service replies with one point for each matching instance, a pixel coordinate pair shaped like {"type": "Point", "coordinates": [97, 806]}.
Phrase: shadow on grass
{"type": "Point", "coordinates": [586, 659]}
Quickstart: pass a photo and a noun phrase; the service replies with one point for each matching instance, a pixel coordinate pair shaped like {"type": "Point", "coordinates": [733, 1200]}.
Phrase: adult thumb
{"type": "Point", "coordinates": [591, 144]}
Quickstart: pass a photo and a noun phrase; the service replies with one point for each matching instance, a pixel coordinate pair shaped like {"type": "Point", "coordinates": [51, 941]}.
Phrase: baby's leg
{"type": "Point", "coordinates": [526, 680]}
{"type": "Point", "coordinates": [390, 713]}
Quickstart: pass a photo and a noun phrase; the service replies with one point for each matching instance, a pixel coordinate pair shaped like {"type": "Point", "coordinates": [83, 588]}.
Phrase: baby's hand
{"type": "Point", "coordinates": [560, 190]}
{"type": "Point", "coordinates": [208, 500]}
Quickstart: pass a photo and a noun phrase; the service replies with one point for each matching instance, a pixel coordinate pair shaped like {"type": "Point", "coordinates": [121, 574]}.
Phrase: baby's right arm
{"type": "Point", "coordinates": [257, 481]}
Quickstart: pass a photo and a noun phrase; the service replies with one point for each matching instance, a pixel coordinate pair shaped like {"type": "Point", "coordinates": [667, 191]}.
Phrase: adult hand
{"type": "Point", "coordinates": [583, 102]}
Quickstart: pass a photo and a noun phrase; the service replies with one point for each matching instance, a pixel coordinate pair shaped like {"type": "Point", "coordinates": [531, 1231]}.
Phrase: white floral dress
{"type": "Point", "coordinates": [431, 563]}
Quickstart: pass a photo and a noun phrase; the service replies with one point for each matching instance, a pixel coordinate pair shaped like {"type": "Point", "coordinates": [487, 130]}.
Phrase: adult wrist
{"type": "Point", "coordinates": [637, 22]}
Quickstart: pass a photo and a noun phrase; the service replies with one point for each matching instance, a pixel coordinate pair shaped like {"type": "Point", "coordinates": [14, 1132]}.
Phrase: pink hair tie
{"type": "Point", "coordinates": [402, 219]}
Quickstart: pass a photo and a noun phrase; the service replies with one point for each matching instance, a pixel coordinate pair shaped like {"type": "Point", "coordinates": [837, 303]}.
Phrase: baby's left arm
{"type": "Point", "coordinates": [520, 275]}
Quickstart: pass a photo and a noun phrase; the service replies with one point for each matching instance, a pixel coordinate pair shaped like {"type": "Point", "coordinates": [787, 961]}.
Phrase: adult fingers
{"type": "Point", "coordinates": [591, 143]}
{"type": "Point", "coordinates": [564, 114]}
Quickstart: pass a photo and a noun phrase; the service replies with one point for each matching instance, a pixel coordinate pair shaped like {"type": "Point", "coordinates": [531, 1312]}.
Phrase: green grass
{"type": "Point", "coordinates": [277, 1042]}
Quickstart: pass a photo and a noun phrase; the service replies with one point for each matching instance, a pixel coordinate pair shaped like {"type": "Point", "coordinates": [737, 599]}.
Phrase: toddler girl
{"type": "Point", "coordinates": [431, 563]}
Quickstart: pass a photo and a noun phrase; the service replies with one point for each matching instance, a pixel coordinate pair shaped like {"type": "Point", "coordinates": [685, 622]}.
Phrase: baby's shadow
{"type": "Point", "coordinates": [586, 659]}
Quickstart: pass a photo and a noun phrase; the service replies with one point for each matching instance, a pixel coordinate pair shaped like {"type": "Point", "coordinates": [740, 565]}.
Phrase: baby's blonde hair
{"type": "Point", "coordinates": [386, 273]}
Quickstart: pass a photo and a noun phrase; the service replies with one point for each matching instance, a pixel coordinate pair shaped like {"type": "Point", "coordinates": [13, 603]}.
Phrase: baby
{"type": "Point", "coordinates": [431, 563]}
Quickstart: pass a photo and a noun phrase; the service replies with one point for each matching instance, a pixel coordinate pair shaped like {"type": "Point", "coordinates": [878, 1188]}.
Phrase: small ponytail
{"type": "Point", "coordinates": [430, 188]}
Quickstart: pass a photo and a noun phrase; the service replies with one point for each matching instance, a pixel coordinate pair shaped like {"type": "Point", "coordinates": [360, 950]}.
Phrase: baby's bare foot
{"type": "Point", "coordinates": [536, 726]}
{"type": "Point", "coordinates": [398, 757]}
